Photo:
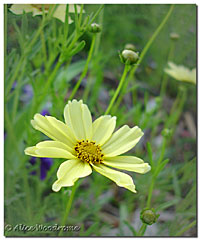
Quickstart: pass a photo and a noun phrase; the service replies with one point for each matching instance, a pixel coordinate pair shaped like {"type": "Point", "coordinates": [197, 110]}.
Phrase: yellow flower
{"type": "Point", "coordinates": [181, 73]}
{"type": "Point", "coordinates": [88, 145]}
{"type": "Point", "coordinates": [36, 9]}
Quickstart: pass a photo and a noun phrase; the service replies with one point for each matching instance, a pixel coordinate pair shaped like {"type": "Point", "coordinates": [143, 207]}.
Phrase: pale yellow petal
{"type": "Point", "coordinates": [62, 127]}
{"type": "Point", "coordinates": [54, 129]}
{"type": "Point", "coordinates": [21, 8]}
{"type": "Point", "coordinates": [60, 13]}
{"type": "Point", "coordinates": [121, 179]}
{"type": "Point", "coordinates": [48, 152]}
{"type": "Point", "coordinates": [122, 141]}
{"type": "Point", "coordinates": [78, 118]}
{"type": "Point", "coordinates": [69, 172]}
{"type": "Point", "coordinates": [72, 9]}
{"type": "Point", "coordinates": [31, 151]}
{"type": "Point", "coordinates": [181, 73]}
{"type": "Point", "coordinates": [128, 163]}
{"type": "Point", "coordinates": [55, 144]}
{"type": "Point", "coordinates": [103, 128]}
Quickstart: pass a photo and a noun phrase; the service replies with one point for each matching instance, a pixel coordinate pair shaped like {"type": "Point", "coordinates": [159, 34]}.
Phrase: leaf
{"type": "Point", "coordinates": [65, 75]}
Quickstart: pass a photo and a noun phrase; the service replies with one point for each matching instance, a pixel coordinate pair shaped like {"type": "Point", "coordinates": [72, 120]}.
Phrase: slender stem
{"type": "Point", "coordinates": [96, 14]}
{"type": "Point", "coordinates": [150, 192]}
{"type": "Point", "coordinates": [17, 92]}
{"type": "Point", "coordinates": [43, 48]}
{"type": "Point", "coordinates": [99, 34]}
{"type": "Point", "coordinates": [28, 48]}
{"type": "Point", "coordinates": [68, 207]}
{"type": "Point", "coordinates": [85, 68]}
{"type": "Point", "coordinates": [10, 130]}
{"type": "Point", "coordinates": [155, 175]}
{"type": "Point", "coordinates": [126, 69]}
{"type": "Point", "coordinates": [80, 15]}
{"type": "Point", "coordinates": [66, 25]}
{"type": "Point", "coordinates": [165, 77]}
{"type": "Point", "coordinates": [192, 224]}
{"type": "Point", "coordinates": [146, 48]}
{"type": "Point", "coordinates": [176, 107]}
{"type": "Point", "coordinates": [142, 230]}
{"type": "Point", "coordinates": [76, 19]}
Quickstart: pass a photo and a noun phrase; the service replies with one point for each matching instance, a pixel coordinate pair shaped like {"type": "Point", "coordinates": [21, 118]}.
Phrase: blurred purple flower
{"type": "Point", "coordinates": [45, 165]}
{"type": "Point", "coordinates": [27, 93]}
{"type": "Point", "coordinates": [14, 86]}
{"type": "Point", "coordinates": [44, 112]}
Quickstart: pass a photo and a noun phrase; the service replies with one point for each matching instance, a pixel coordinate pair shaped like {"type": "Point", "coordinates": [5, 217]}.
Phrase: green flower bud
{"type": "Point", "coordinates": [95, 28]}
{"type": "Point", "coordinates": [130, 46]}
{"type": "Point", "coordinates": [174, 36]}
{"type": "Point", "coordinates": [129, 57]}
{"type": "Point", "coordinates": [149, 216]}
{"type": "Point", "coordinates": [166, 132]}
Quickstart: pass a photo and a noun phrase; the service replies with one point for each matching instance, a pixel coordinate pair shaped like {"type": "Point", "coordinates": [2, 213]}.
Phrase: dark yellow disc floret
{"type": "Point", "coordinates": [88, 151]}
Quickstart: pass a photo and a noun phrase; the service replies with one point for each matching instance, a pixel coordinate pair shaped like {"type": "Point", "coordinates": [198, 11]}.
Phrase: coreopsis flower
{"type": "Point", "coordinates": [88, 145]}
{"type": "Point", "coordinates": [37, 9]}
{"type": "Point", "coordinates": [181, 73]}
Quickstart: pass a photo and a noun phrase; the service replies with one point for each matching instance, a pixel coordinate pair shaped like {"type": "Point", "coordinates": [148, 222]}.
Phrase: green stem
{"type": "Point", "coordinates": [155, 174]}
{"type": "Point", "coordinates": [44, 48]}
{"type": "Point", "coordinates": [10, 130]}
{"type": "Point", "coordinates": [85, 68]}
{"type": "Point", "coordinates": [146, 48]}
{"type": "Point", "coordinates": [99, 34]}
{"type": "Point", "coordinates": [176, 107]}
{"type": "Point", "coordinates": [150, 192]}
{"type": "Point", "coordinates": [17, 93]}
{"type": "Point", "coordinates": [165, 77]}
{"type": "Point", "coordinates": [80, 15]}
{"type": "Point", "coordinates": [192, 224]}
{"type": "Point", "coordinates": [142, 230]}
{"type": "Point", "coordinates": [68, 207]}
{"type": "Point", "coordinates": [28, 48]}
{"type": "Point", "coordinates": [49, 80]}
{"type": "Point", "coordinates": [126, 70]}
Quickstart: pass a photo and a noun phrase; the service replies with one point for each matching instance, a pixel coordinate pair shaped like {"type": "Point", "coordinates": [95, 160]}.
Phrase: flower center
{"type": "Point", "coordinates": [39, 6]}
{"type": "Point", "coordinates": [88, 151]}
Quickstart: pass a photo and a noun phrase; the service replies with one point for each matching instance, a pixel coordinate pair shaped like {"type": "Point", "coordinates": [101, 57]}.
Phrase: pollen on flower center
{"type": "Point", "coordinates": [89, 151]}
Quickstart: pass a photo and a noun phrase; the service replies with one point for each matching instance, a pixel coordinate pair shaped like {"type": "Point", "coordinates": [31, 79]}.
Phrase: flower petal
{"type": "Point", "coordinates": [69, 171]}
{"type": "Point", "coordinates": [48, 152]}
{"type": "Point", "coordinates": [78, 118]}
{"type": "Point", "coordinates": [103, 128]}
{"type": "Point", "coordinates": [122, 141]}
{"type": "Point", "coordinates": [121, 179]}
{"type": "Point", "coordinates": [72, 9]}
{"type": "Point", "coordinates": [60, 13]}
{"type": "Point", "coordinates": [128, 163]}
{"type": "Point", "coordinates": [55, 144]}
{"type": "Point", "coordinates": [54, 129]}
{"type": "Point", "coordinates": [21, 8]}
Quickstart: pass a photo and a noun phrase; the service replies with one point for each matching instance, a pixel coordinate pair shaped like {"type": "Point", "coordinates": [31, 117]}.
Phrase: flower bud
{"type": "Point", "coordinates": [174, 36]}
{"type": "Point", "coordinates": [129, 57]}
{"type": "Point", "coordinates": [130, 46]}
{"type": "Point", "coordinates": [148, 216]}
{"type": "Point", "coordinates": [95, 28]}
{"type": "Point", "coordinates": [166, 132]}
